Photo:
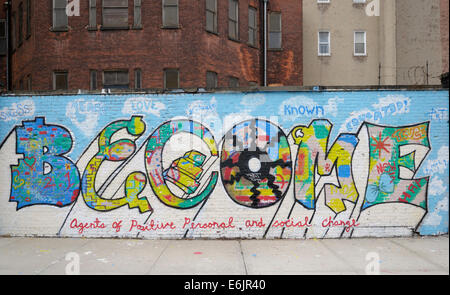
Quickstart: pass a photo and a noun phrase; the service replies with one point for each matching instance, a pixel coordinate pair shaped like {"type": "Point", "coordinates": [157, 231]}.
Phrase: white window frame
{"type": "Point", "coordinates": [319, 43]}
{"type": "Point", "coordinates": [323, 1]}
{"type": "Point", "coordinates": [354, 43]}
{"type": "Point", "coordinates": [359, 1]}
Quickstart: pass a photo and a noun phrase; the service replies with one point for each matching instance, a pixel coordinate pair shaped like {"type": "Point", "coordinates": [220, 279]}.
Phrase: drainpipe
{"type": "Point", "coordinates": [265, 41]}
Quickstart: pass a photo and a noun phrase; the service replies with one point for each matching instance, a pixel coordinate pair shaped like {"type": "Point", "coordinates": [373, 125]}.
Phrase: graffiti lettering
{"type": "Point", "coordinates": [255, 165]}
{"type": "Point", "coordinates": [44, 175]}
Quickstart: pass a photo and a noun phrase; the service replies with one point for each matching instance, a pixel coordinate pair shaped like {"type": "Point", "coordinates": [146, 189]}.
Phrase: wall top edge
{"type": "Point", "coordinates": [228, 90]}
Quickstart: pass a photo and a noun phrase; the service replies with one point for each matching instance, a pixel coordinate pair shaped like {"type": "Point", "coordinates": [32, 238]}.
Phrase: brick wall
{"type": "Point", "coordinates": [190, 48]}
{"type": "Point", "coordinates": [3, 79]}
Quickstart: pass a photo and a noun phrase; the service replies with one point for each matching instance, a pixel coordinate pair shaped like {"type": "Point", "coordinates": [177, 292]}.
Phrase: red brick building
{"type": "Point", "coordinates": [142, 44]}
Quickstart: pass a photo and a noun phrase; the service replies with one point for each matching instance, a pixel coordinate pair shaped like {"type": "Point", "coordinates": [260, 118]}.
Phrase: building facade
{"type": "Point", "coordinates": [138, 44]}
{"type": "Point", "coordinates": [374, 42]}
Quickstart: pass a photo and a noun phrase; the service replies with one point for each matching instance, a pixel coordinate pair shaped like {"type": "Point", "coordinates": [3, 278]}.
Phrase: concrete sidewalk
{"type": "Point", "coordinates": [420, 255]}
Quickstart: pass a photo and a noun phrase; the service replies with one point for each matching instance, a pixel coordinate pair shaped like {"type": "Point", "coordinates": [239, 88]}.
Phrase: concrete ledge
{"type": "Point", "coordinates": [231, 90]}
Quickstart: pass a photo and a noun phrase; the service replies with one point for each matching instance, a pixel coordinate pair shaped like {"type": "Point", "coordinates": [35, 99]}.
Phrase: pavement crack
{"type": "Point", "coordinates": [157, 259]}
{"type": "Point", "coordinates": [243, 258]}
{"type": "Point", "coordinates": [338, 256]}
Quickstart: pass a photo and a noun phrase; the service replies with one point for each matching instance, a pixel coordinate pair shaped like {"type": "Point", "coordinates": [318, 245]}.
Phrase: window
{"type": "Point", "coordinates": [137, 22]}
{"type": "Point", "coordinates": [359, 1]}
{"type": "Point", "coordinates": [60, 80]}
{"type": "Point", "coordinates": [93, 79]}
{"type": "Point", "coordinates": [28, 18]}
{"type": "Point", "coordinates": [116, 79]}
{"type": "Point", "coordinates": [60, 21]}
{"type": "Point", "coordinates": [137, 79]}
{"type": "Point", "coordinates": [324, 43]}
{"type": "Point", "coordinates": [275, 30]}
{"type": "Point", "coordinates": [170, 13]}
{"type": "Point", "coordinates": [360, 43]}
{"type": "Point", "coordinates": [211, 16]}
{"type": "Point", "coordinates": [92, 14]}
{"type": "Point", "coordinates": [233, 19]}
{"type": "Point", "coordinates": [233, 82]}
{"type": "Point", "coordinates": [2, 37]}
{"type": "Point", "coordinates": [29, 82]}
{"type": "Point", "coordinates": [323, 1]}
{"type": "Point", "coordinates": [20, 35]}
{"type": "Point", "coordinates": [171, 79]}
{"type": "Point", "coordinates": [211, 80]}
{"type": "Point", "coordinates": [252, 26]}
{"type": "Point", "coordinates": [115, 14]}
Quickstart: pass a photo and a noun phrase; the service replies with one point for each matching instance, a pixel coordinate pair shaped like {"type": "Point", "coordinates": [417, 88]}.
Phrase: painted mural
{"type": "Point", "coordinates": [225, 165]}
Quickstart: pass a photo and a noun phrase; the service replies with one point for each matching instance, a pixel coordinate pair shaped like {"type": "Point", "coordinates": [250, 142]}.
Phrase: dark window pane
{"type": "Point", "coordinates": [29, 83]}
{"type": "Point", "coordinates": [232, 30]}
{"type": "Point", "coordinates": [275, 40]}
{"type": "Point", "coordinates": [2, 28]}
{"type": "Point", "coordinates": [93, 80]}
{"type": "Point", "coordinates": [275, 22]}
{"type": "Point", "coordinates": [171, 16]}
{"type": "Point", "coordinates": [60, 19]}
{"type": "Point", "coordinates": [210, 21]}
{"type": "Point", "coordinates": [115, 79]}
{"type": "Point", "coordinates": [122, 77]}
{"type": "Point", "coordinates": [233, 82]}
{"type": "Point", "coordinates": [324, 49]}
{"type": "Point", "coordinates": [137, 79]}
{"type": "Point", "coordinates": [252, 29]}
{"type": "Point", "coordinates": [170, 13]}
{"type": "Point", "coordinates": [60, 81]}
{"type": "Point", "coordinates": [323, 37]}
{"type": "Point", "coordinates": [233, 24]}
{"type": "Point", "coordinates": [59, 14]}
{"type": "Point", "coordinates": [115, 3]}
{"type": "Point", "coordinates": [211, 5]}
{"type": "Point", "coordinates": [92, 13]}
{"type": "Point", "coordinates": [137, 13]}
{"type": "Point", "coordinates": [60, 4]}
{"type": "Point", "coordinates": [275, 30]}
{"type": "Point", "coordinates": [252, 37]}
{"type": "Point", "coordinates": [211, 80]}
{"type": "Point", "coordinates": [171, 79]}
{"type": "Point", "coordinates": [232, 9]}
{"type": "Point", "coordinates": [252, 17]}
{"type": "Point", "coordinates": [115, 17]}
{"type": "Point", "coordinates": [359, 48]}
